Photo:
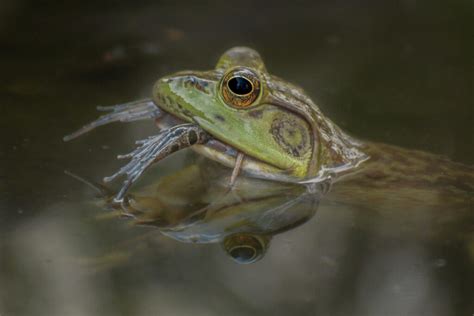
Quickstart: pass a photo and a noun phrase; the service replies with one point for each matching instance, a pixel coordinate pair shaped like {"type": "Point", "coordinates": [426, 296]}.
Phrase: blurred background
{"type": "Point", "coordinates": [398, 72]}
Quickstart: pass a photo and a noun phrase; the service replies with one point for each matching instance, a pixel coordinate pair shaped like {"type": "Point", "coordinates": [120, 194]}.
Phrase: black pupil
{"type": "Point", "coordinates": [242, 254]}
{"type": "Point", "coordinates": [240, 85]}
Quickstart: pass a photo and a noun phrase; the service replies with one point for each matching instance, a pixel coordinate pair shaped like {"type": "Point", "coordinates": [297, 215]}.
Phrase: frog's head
{"type": "Point", "coordinates": [277, 127]}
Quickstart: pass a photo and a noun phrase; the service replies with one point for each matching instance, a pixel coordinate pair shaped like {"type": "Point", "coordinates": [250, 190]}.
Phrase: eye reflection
{"type": "Point", "coordinates": [243, 253]}
{"type": "Point", "coordinates": [246, 248]}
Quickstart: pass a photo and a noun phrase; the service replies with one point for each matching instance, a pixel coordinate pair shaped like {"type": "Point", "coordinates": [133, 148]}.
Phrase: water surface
{"type": "Point", "coordinates": [398, 72]}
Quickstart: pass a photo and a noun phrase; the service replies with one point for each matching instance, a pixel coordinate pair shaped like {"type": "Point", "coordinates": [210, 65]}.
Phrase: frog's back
{"type": "Point", "coordinates": [409, 179]}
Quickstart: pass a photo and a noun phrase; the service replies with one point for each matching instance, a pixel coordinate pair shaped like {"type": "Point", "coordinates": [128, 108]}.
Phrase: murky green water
{"type": "Point", "coordinates": [397, 72]}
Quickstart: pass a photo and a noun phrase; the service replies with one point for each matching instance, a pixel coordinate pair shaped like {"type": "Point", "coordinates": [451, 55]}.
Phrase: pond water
{"type": "Point", "coordinates": [397, 72]}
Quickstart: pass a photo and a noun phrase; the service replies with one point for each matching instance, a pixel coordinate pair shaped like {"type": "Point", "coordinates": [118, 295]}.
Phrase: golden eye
{"type": "Point", "coordinates": [240, 88]}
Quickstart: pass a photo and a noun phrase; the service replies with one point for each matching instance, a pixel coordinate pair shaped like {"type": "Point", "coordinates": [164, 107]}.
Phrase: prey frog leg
{"type": "Point", "coordinates": [127, 112]}
{"type": "Point", "coordinates": [154, 149]}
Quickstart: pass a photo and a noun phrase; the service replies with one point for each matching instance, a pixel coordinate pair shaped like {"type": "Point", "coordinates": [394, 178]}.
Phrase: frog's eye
{"type": "Point", "coordinates": [245, 248]}
{"type": "Point", "coordinates": [240, 88]}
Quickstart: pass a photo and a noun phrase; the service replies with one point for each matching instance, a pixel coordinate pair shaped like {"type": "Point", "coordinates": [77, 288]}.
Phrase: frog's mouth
{"type": "Point", "coordinates": [175, 135]}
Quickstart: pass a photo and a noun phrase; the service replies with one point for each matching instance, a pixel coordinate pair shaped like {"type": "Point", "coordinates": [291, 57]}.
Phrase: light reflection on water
{"type": "Point", "coordinates": [394, 72]}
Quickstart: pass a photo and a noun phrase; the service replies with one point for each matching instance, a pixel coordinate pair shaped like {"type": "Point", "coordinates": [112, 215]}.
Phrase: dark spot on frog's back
{"type": "Point", "coordinates": [220, 118]}
{"type": "Point", "coordinates": [168, 101]}
{"type": "Point", "coordinates": [185, 112]}
{"type": "Point", "coordinates": [197, 83]}
{"type": "Point", "coordinates": [256, 114]}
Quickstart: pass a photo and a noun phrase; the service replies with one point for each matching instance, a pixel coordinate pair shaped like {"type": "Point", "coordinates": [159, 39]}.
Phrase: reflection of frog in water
{"type": "Point", "coordinates": [203, 209]}
{"type": "Point", "coordinates": [243, 117]}
{"type": "Point", "coordinates": [195, 205]}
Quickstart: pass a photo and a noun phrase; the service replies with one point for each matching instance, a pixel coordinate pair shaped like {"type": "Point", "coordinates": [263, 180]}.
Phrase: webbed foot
{"type": "Point", "coordinates": [154, 149]}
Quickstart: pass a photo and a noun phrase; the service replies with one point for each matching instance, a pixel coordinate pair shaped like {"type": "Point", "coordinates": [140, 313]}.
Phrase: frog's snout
{"type": "Point", "coordinates": [183, 92]}
{"type": "Point", "coordinates": [161, 91]}
{"type": "Point", "coordinates": [165, 96]}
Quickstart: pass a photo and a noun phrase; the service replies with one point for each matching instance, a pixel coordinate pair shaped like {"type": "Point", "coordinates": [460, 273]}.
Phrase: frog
{"type": "Point", "coordinates": [241, 116]}
{"type": "Point", "coordinates": [270, 136]}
